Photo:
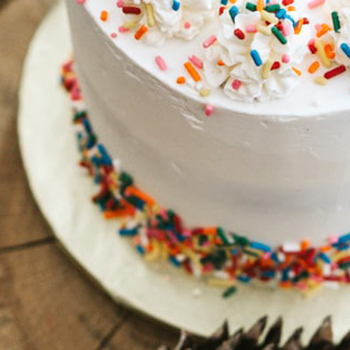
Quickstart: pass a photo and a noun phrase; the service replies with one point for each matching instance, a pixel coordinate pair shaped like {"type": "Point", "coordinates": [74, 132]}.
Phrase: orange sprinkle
{"type": "Point", "coordinates": [298, 27]}
{"type": "Point", "coordinates": [260, 5]}
{"type": "Point", "coordinates": [325, 248]}
{"type": "Point", "coordinates": [232, 1]}
{"type": "Point", "coordinates": [210, 231]}
{"type": "Point", "coordinates": [305, 243]}
{"type": "Point", "coordinates": [181, 80]}
{"type": "Point", "coordinates": [285, 284]}
{"type": "Point", "coordinates": [221, 63]}
{"type": "Point", "coordinates": [291, 8]}
{"type": "Point", "coordinates": [140, 32]}
{"type": "Point", "coordinates": [125, 210]}
{"type": "Point", "coordinates": [297, 71]}
{"type": "Point", "coordinates": [324, 29]}
{"type": "Point", "coordinates": [313, 67]}
{"type": "Point", "coordinates": [131, 190]}
{"type": "Point", "coordinates": [104, 15]}
{"type": "Point", "coordinates": [328, 48]}
{"type": "Point", "coordinates": [192, 71]}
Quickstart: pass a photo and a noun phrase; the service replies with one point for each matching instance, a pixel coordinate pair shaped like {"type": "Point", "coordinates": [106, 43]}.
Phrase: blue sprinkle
{"type": "Point", "coordinates": [233, 12]}
{"type": "Point", "coordinates": [285, 274]}
{"type": "Point", "coordinates": [234, 251]}
{"type": "Point", "coordinates": [174, 261]}
{"type": "Point", "coordinates": [176, 5]}
{"type": "Point", "coordinates": [256, 58]}
{"type": "Point", "coordinates": [128, 231]}
{"type": "Point", "coordinates": [281, 13]}
{"type": "Point", "coordinates": [87, 126]}
{"type": "Point", "coordinates": [104, 154]}
{"type": "Point", "coordinates": [260, 246]}
{"type": "Point", "coordinates": [140, 249]}
{"type": "Point", "coordinates": [274, 257]}
{"type": "Point", "coordinates": [224, 2]}
{"type": "Point", "coordinates": [344, 238]}
{"type": "Point", "coordinates": [243, 278]}
{"type": "Point", "coordinates": [291, 19]}
{"type": "Point", "coordinates": [325, 258]}
{"type": "Point", "coordinates": [343, 247]}
{"type": "Point", "coordinates": [345, 47]}
{"type": "Point", "coordinates": [269, 274]}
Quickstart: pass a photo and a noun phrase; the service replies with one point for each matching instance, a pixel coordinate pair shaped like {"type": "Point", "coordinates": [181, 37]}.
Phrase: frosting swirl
{"type": "Point", "coordinates": [172, 18]}
{"type": "Point", "coordinates": [277, 46]}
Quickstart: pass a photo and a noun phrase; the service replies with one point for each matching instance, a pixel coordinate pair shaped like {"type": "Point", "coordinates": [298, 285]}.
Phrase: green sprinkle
{"type": "Point", "coordinates": [273, 8]}
{"type": "Point", "coordinates": [304, 274]}
{"type": "Point", "coordinates": [336, 22]}
{"type": "Point", "coordinates": [222, 236]}
{"type": "Point", "coordinates": [241, 241]}
{"type": "Point", "coordinates": [281, 38]}
{"type": "Point", "coordinates": [250, 6]}
{"type": "Point", "coordinates": [251, 253]}
{"type": "Point", "coordinates": [229, 291]}
{"type": "Point", "coordinates": [344, 266]}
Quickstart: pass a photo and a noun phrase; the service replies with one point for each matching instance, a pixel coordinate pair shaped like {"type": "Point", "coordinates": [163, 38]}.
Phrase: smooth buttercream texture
{"type": "Point", "coordinates": [275, 171]}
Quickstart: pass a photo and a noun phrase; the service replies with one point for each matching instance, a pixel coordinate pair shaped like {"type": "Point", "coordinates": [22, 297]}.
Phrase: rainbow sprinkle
{"type": "Point", "coordinates": [213, 253]}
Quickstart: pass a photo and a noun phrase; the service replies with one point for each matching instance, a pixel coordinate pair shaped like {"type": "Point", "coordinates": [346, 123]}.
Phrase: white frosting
{"type": "Point", "coordinates": [235, 53]}
{"type": "Point", "coordinates": [275, 171]}
{"type": "Point", "coordinates": [184, 23]}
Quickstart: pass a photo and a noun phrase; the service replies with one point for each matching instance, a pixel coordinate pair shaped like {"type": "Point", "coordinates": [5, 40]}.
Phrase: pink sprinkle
{"type": "Point", "coordinates": [123, 29]}
{"type": "Point", "coordinates": [161, 64]}
{"type": "Point", "coordinates": [236, 84]}
{"type": "Point", "coordinates": [251, 28]}
{"type": "Point", "coordinates": [196, 61]}
{"type": "Point", "coordinates": [187, 25]}
{"type": "Point", "coordinates": [285, 30]}
{"type": "Point", "coordinates": [210, 41]}
{"type": "Point", "coordinates": [318, 27]}
{"type": "Point", "coordinates": [333, 239]}
{"type": "Point", "coordinates": [113, 35]}
{"type": "Point", "coordinates": [314, 3]}
{"type": "Point", "coordinates": [209, 109]}
{"type": "Point", "coordinates": [80, 2]}
{"type": "Point", "coordinates": [285, 58]}
{"type": "Point", "coordinates": [120, 3]}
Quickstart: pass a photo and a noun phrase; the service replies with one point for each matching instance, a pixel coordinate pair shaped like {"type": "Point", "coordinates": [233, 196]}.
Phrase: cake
{"type": "Point", "coordinates": [234, 114]}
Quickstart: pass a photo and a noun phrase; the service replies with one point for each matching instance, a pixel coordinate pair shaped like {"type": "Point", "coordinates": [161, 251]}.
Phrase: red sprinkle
{"type": "Point", "coordinates": [131, 10]}
{"type": "Point", "coordinates": [239, 34]}
{"type": "Point", "coordinates": [334, 72]}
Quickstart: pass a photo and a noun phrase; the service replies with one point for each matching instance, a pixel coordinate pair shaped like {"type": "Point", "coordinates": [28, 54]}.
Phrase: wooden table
{"type": "Point", "coordinates": [46, 302]}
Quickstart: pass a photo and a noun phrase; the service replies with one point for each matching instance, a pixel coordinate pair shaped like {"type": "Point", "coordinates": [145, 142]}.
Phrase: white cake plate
{"type": "Point", "coordinates": [63, 192]}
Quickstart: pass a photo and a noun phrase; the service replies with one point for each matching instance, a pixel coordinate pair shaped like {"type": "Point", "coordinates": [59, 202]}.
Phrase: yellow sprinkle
{"type": "Point", "coordinates": [151, 21]}
{"type": "Point", "coordinates": [130, 24]}
{"type": "Point", "coordinates": [155, 253]}
{"type": "Point", "coordinates": [322, 53]}
{"type": "Point", "coordinates": [164, 252]}
{"type": "Point", "coordinates": [204, 92]}
{"type": "Point", "coordinates": [216, 282]}
{"type": "Point", "coordinates": [265, 72]}
{"type": "Point", "coordinates": [263, 30]}
{"type": "Point", "coordinates": [320, 80]}
{"type": "Point", "coordinates": [268, 16]}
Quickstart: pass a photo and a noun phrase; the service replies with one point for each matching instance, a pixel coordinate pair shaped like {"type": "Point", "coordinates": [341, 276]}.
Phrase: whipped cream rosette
{"type": "Point", "coordinates": [164, 19]}
{"type": "Point", "coordinates": [258, 51]}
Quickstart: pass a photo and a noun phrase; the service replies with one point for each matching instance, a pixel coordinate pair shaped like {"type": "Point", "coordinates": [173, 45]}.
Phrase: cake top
{"type": "Point", "coordinates": [258, 57]}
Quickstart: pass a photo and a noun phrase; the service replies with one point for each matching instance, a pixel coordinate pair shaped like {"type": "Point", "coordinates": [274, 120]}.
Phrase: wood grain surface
{"type": "Point", "coordinates": [46, 302]}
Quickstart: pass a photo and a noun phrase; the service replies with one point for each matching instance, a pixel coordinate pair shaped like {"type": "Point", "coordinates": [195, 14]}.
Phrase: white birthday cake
{"type": "Point", "coordinates": [236, 115]}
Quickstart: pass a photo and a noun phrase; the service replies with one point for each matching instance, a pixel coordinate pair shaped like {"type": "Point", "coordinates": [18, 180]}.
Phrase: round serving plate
{"type": "Point", "coordinates": [63, 192]}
